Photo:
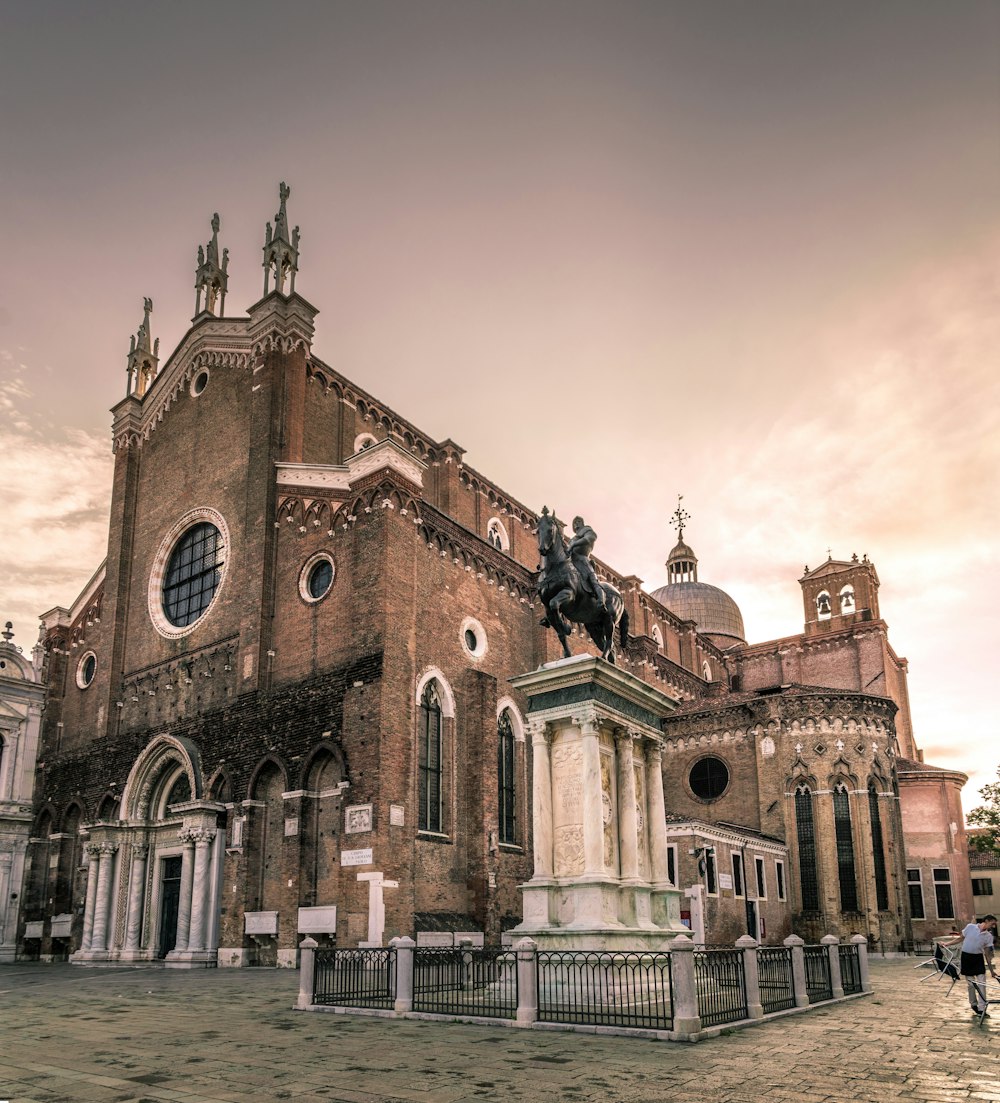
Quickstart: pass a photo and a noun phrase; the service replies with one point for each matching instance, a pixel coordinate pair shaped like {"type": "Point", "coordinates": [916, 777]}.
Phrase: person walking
{"type": "Point", "coordinates": [977, 956]}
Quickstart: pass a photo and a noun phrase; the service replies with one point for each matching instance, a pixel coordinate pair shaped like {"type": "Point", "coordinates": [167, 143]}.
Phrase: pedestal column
{"type": "Point", "coordinates": [656, 814]}
{"type": "Point", "coordinates": [628, 822]}
{"type": "Point", "coordinates": [187, 877]}
{"type": "Point", "coordinates": [541, 805]}
{"type": "Point", "coordinates": [90, 907]}
{"type": "Point", "coordinates": [102, 906]}
{"type": "Point", "coordinates": [593, 805]}
{"type": "Point", "coordinates": [136, 897]}
{"type": "Point", "coordinates": [201, 889]}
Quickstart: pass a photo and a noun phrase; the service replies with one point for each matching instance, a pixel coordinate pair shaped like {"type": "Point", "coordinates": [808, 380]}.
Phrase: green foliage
{"type": "Point", "coordinates": [987, 816]}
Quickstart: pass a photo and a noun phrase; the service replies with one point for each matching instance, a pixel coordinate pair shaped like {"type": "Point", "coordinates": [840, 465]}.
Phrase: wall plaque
{"type": "Point", "coordinates": [357, 818]}
{"type": "Point", "coordinates": [356, 857]}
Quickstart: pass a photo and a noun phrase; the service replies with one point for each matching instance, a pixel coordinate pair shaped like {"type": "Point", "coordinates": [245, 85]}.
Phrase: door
{"type": "Point", "coordinates": [170, 898]}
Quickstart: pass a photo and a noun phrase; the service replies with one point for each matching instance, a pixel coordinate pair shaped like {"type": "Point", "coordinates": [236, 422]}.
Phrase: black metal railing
{"type": "Point", "coordinates": [850, 969]}
{"type": "Point", "coordinates": [720, 982]}
{"type": "Point", "coordinates": [818, 984]}
{"type": "Point", "coordinates": [605, 989]}
{"type": "Point", "coordinates": [465, 981]}
{"type": "Point", "coordinates": [774, 968]}
{"type": "Point", "coordinates": [355, 978]}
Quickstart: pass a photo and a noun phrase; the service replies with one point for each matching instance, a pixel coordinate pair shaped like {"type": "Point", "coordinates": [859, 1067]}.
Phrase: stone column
{"type": "Point", "coordinates": [307, 973]}
{"type": "Point", "coordinates": [832, 944]}
{"type": "Point", "coordinates": [751, 974]}
{"type": "Point", "coordinates": [102, 907]}
{"type": "Point", "coordinates": [527, 981]}
{"type": "Point", "coordinates": [404, 948]}
{"type": "Point", "coordinates": [90, 906]}
{"type": "Point", "coordinates": [795, 944]}
{"type": "Point", "coordinates": [861, 942]}
{"type": "Point", "coordinates": [687, 1017]}
{"type": "Point", "coordinates": [592, 803]}
{"type": "Point", "coordinates": [541, 803]}
{"type": "Point", "coordinates": [187, 877]}
{"type": "Point", "coordinates": [201, 889]}
{"type": "Point", "coordinates": [656, 814]}
{"type": "Point", "coordinates": [628, 824]}
{"type": "Point", "coordinates": [136, 897]}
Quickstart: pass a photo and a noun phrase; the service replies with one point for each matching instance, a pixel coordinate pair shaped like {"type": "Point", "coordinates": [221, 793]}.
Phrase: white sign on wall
{"type": "Point", "coordinates": [397, 815]}
{"type": "Point", "coordinates": [358, 818]}
{"type": "Point", "coordinates": [356, 857]}
{"type": "Point", "coordinates": [725, 880]}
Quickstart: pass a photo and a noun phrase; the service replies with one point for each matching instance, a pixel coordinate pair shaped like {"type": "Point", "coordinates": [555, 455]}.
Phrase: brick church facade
{"type": "Point", "coordinates": [282, 705]}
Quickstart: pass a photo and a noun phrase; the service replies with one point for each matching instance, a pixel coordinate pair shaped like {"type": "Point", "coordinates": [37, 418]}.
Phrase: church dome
{"type": "Point", "coordinates": [712, 609]}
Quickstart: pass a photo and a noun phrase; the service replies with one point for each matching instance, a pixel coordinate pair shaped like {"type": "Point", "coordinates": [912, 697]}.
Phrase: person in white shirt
{"type": "Point", "coordinates": [977, 956]}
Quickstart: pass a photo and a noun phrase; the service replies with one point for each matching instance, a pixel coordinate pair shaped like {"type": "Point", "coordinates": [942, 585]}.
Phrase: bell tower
{"type": "Point", "coordinates": [839, 593]}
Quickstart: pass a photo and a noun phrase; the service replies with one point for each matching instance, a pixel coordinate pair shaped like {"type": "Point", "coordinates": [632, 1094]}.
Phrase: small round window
{"type": "Point", "coordinates": [473, 638]}
{"type": "Point", "coordinates": [709, 778]}
{"type": "Point", "coordinates": [199, 383]}
{"type": "Point", "coordinates": [86, 670]}
{"type": "Point", "coordinates": [317, 577]}
{"type": "Point", "coordinates": [193, 573]}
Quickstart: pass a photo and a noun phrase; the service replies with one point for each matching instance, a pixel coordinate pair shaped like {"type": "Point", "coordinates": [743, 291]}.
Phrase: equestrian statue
{"type": "Point", "coordinates": [570, 590]}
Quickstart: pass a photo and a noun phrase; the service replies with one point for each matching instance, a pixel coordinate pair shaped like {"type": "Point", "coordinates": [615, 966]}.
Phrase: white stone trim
{"type": "Point", "coordinates": [432, 673]}
{"type": "Point", "coordinates": [81, 683]}
{"type": "Point", "coordinates": [155, 591]}
{"type": "Point", "coordinates": [517, 720]}
{"type": "Point", "coordinates": [501, 529]}
{"type": "Point", "coordinates": [198, 373]}
{"type": "Point", "coordinates": [470, 624]}
{"type": "Point", "coordinates": [307, 567]}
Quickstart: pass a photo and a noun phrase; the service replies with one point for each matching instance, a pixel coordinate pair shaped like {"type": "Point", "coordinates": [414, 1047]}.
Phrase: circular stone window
{"type": "Point", "coordinates": [188, 572]}
{"type": "Point", "coordinates": [473, 638]}
{"type": "Point", "coordinates": [86, 670]}
{"type": "Point", "coordinates": [317, 577]}
{"type": "Point", "coordinates": [199, 383]}
{"type": "Point", "coordinates": [709, 778]}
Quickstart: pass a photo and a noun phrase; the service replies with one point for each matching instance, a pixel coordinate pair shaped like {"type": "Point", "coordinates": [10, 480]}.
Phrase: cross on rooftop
{"type": "Point", "coordinates": [681, 516]}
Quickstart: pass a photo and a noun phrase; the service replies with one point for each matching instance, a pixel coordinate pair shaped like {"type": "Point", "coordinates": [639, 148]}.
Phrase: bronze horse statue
{"type": "Point", "coordinates": [565, 599]}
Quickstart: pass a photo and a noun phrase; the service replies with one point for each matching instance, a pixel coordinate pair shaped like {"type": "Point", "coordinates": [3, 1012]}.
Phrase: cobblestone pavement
{"type": "Point", "coordinates": [72, 1035]}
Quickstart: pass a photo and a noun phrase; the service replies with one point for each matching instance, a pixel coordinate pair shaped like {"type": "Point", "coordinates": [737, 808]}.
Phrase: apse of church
{"type": "Point", "coordinates": [282, 706]}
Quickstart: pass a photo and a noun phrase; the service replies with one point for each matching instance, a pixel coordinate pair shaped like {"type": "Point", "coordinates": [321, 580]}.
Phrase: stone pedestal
{"type": "Point", "coordinates": [600, 842]}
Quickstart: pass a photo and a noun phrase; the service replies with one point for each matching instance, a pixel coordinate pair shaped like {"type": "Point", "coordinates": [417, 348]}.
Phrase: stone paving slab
{"type": "Point", "coordinates": [76, 1035]}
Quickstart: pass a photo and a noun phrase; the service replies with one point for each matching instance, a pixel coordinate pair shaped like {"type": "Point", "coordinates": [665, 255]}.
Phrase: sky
{"type": "Point", "coordinates": [747, 252]}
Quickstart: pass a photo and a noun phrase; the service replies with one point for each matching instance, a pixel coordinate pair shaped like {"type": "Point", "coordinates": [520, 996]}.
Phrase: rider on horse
{"type": "Point", "coordinates": [580, 549]}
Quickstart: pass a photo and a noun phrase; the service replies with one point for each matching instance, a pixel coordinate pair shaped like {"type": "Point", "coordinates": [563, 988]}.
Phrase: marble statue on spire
{"type": "Point", "coordinates": [281, 252]}
{"type": "Point", "coordinates": [212, 278]}
{"type": "Point", "coordinates": [143, 357]}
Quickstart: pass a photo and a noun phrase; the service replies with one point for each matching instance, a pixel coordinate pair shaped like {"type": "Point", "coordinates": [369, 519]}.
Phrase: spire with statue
{"type": "Point", "coordinates": [143, 357]}
{"type": "Point", "coordinates": [212, 277]}
{"type": "Point", "coordinates": [281, 252]}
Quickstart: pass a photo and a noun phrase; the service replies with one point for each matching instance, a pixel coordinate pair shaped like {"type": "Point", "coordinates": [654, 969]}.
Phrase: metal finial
{"type": "Point", "coordinates": [8, 633]}
{"type": "Point", "coordinates": [681, 516]}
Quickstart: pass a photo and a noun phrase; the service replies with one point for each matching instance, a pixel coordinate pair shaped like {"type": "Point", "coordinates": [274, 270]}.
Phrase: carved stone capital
{"type": "Point", "coordinates": [654, 751]}
{"type": "Point", "coordinates": [539, 731]}
{"type": "Point", "coordinates": [586, 721]}
{"type": "Point", "coordinates": [202, 836]}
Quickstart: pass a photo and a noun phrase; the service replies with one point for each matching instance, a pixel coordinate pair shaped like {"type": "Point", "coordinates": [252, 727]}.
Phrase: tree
{"type": "Point", "coordinates": [987, 817]}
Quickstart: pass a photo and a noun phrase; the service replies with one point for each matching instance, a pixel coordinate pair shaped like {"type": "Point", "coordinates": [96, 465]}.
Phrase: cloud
{"type": "Point", "coordinates": [56, 490]}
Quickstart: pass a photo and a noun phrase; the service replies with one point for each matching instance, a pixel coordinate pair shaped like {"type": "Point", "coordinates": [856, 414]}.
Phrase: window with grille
{"type": "Point", "coordinates": [506, 791]}
{"type": "Point", "coordinates": [429, 760]}
{"type": "Point", "coordinates": [806, 833]}
{"type": "Point", "coordinates": [982, 886]}
{"type": "Point", "coordinates": [845, 850]}
{"type": "Point", "coordinates": [878, 850]}
{"type": "Point", "coordinates": [942, 894]}
{"type": "Point", "coordinates": [193, 574]}
{"type": "Point", "coordinates": [916, 891]}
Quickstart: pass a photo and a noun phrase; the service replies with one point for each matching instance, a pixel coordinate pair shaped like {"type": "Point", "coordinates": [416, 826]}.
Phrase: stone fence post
{"type": "Point", "coordinates": [861, 942]}
{"type": "Point", "coordinates": [687, 1017]}
{"type": "Point", "coordinates": [307, 973]}
{"type": "Point", "coordinates": [795, 944]}
{"type": "Point", "coordinates": [751, 974]}
{"type": "Point", "coordinates": [832, 944]}
{"type": "Point", "coordinates": [404, 948]}
{"type": "Point", "coordinates": [527, 981]}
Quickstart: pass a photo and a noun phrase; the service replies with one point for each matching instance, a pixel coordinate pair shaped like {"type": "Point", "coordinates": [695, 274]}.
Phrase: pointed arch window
{"type": "Point", "coordinates": [806, 836]}
{"type": "Point", "coordinates": [845, 849]}
{"type": "Point", "coordinates": [429, 760]}
{"type": "Point", "coordinates": [506, 779]}
{"type": "Point", "coordinates": [878, 849]}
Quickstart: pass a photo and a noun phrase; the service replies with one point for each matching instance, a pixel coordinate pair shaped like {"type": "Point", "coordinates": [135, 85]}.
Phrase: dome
{"type": "Point", "coordinates": [712, 609]}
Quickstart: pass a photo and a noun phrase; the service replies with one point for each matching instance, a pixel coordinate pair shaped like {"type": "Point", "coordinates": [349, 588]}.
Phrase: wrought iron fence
{"type": "Point", "coordinates": [850, 970]}
{"type": "Point", "coordinates": [605, 989]}
{"type": "Point", "coordinates": [818, 984]}
{"type": "Point", "coordinates": [721, 986]}
{"type": "Point", "coordinates": [355, 978]}
{"type": "Point", "coordinates": [774, 968]}
{"type": "Point", "coordinates": [465, 981]}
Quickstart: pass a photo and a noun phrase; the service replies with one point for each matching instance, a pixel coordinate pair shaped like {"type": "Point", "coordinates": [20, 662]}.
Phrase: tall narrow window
{"type": "Point", "coordinates": [806, 832]}
{"type": "Point", "coordinates": [737, 873]}
{"type": "Point", "coordinates": [845, 850]}
{"type": "Point", "coordinates": [711, 886]}
{"type": "Point", "coordinates": [916, 891]}
{"type": "Point", "coordinates": [429, 760]}
{"type": "Point", "coordinates": [506, 792]}
{"type": "Point", "coordinates": [672, 863]}
{"type": "Point", "coordinates": [942, 893]}
{"type": "Point", "coordinates": [878, 850]}
{"type": "Point", "coordinates": [761, 882]}
{"type": "Point", "coordinates": [779, 878]}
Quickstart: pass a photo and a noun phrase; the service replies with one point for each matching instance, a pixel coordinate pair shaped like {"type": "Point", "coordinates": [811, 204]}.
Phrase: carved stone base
{"type": "Point", "coordinates": [191, 959]}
